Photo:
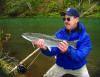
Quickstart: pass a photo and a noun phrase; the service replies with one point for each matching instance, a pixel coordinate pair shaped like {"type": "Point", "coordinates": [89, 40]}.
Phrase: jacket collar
{"type": "Point", "coordinates": [77, 29]}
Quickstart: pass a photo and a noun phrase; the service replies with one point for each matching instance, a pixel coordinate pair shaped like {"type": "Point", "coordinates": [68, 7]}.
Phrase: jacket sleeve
{"type": "Point", "coordinates": [82, 50]}
{"type": "Point", "coordinates": [51, 52]}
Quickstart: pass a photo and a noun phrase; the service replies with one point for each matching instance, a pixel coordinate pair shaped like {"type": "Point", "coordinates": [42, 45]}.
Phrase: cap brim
{"type": "Point", "coordinates": [66, 13]}
{"type": "Point", "coordinates": [62, 14]}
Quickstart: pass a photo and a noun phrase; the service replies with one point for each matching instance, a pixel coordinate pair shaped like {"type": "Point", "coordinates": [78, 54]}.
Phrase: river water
{"type": "Point", "coordinates": [19, 48]}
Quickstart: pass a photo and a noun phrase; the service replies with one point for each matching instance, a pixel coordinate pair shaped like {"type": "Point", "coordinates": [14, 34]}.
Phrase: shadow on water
{"type": "Point", "coordinates": [19, 48]}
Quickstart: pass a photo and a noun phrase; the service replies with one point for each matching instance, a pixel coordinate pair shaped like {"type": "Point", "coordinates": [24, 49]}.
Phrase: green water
{"type": "Point", "coordinates": [19, 48]}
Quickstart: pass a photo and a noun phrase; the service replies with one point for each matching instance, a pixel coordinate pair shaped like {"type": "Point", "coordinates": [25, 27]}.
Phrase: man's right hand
{"type": "Point", "coordinates": [40, 44]}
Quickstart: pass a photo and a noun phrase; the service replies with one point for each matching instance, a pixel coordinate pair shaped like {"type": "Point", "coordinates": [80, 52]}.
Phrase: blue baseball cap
{"type": "Point", "coordinates": [71, 12]}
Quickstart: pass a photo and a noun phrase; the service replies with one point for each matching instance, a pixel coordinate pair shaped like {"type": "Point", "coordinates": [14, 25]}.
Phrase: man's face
{"type": "Point", "coordinates": [70, 22]}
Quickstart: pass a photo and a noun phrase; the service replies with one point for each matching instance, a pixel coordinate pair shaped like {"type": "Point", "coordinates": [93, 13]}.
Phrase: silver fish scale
{"type": "Point", "coordinates": [50, 41]}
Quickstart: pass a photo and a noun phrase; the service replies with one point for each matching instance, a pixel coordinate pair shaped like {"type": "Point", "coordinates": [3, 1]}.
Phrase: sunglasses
{"type": "Point", "coordinates": [68, 19]}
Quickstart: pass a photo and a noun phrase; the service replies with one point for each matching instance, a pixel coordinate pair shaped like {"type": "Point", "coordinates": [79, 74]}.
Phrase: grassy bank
{"type": "Point", "coordinates": [5, 68]}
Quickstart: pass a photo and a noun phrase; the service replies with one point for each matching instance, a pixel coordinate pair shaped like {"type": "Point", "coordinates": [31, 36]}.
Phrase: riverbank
{"type": "Point", "coordinates": [6, 62]}
{"type": "Point", "coordinates": [47, 8]}
{"type": "Point", "coordinates": [5, 68]}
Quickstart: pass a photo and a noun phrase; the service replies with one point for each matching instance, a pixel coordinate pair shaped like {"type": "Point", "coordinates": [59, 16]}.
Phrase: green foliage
{"type": "Point", "coordinates": [35, 1]}
{"type": "Point", "coordinates": [20, 7]}
{"type": "Point", "coordinates": [70, 3]}
{"type": "Point", "coordinates": [91, 11]}
{"type": "Point", "coordinates": [1, 34]}
{"type": "Point", "coordinates": [54, 14]}
{"type": "Point", "coordinates": [15, 7]}
{"type": "Point", "coordinates": [6, 68]}
{"type": "Point", "coordinates": [42, 8]}
{"type": "Point", "coordinates": [53, 7]}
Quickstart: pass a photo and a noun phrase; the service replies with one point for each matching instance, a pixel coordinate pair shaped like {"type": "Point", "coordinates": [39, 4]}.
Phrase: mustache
{"type": "Point", "coordinates": [67, 24]}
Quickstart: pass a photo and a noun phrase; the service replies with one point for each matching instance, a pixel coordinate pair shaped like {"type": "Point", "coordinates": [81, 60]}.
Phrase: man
{"type": "Point", "coordinates": [69, 60]}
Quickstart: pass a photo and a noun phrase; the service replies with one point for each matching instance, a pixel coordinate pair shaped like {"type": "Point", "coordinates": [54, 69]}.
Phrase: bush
{"type": "Point", "coordinates": [16, 7]}
{"type": "Point", "coordinates": [53, 7]}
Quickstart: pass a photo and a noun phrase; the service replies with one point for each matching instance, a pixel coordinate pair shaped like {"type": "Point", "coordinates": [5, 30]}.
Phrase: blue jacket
{"type": "Point", "coordinates": [73, 58]}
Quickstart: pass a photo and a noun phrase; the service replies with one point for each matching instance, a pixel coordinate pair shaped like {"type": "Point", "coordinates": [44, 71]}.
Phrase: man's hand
{"type": "Point", "coordinates": [63, 46]}
{"type": "Point", "coordinates": [40, 44]}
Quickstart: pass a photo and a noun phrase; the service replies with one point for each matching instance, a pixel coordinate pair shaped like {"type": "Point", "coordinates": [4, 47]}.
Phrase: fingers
{"type": "Point", "coordinates": [65, 42]}
{"type": "Point", "coordinates": [34, 42]}
{"type": "Point", "coordinates": [63, 46]}
{"type": "Point", "coordinates": [40, 43]}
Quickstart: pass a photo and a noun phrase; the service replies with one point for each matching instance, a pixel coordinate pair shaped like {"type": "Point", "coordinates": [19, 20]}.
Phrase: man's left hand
{"type": "Point", "coordinates": [63, 46]}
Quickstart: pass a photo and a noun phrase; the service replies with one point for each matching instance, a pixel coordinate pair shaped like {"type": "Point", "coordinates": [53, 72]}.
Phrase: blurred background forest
{"type": "Point", "coordinates": [47, 8]}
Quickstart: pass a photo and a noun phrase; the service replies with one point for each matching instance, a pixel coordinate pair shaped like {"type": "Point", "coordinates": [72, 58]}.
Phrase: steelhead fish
{"type": "Point", "coordinates": [50, 41]}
